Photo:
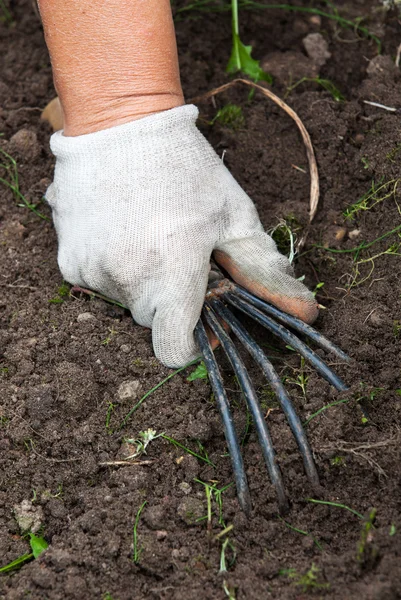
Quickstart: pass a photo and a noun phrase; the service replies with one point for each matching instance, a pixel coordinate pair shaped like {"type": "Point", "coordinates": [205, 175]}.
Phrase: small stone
{"type": "Point", "coordinates": [155, 517]}
{"type": "Point", "coordinates": [315, 20]}
{"type": "Point", "coordinates": [25, 143]}
{"type": "Point", "coordinates": [28, 516]}
{"type": "Point", "coordinates": [190, 510]}
{"type": "Point", "coordinates": [340, 234]}
{"type": "Point", "coordinates": [161, 535]}
{"type": "Point", "coordinates": [86, 316]}
{"type": "Point", "coordinates": [126, 348]}
{"type": "Point", "coordinates": [185, 488]}
{"type": "Point", "coordinates": [354, 234]}
{"type": "Point", "coordinates": [316, 48]}
{"type": "Point", "coordinates": [128, 390]}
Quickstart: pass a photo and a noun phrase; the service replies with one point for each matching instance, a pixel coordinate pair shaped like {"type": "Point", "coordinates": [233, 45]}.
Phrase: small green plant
{"type": "Point", "coordinates": [11, 180]}
{"type": "Point", "coordinates": [203, 456]}
{"type": "Point", "coordinates": [301, 380]}
{"type": "Point", "coordinates": [393, 530]}
{"type": "Point", "coordinates": [394, 152]}
{"type": "Point", "coordinates": [229, 591]}
{"type": "Point", "coordinates": [230, 116]}
{"type": "Point", "coordinates": [62, 293]}
{"type": "Point", "coordinates": [142, 442]}
{"type": "Point", "coordinates": [241, 60]}
{"type": "Point", "coordinates": [338, 461]}
{"type": "Point", "coordinates": [309, 582]}
{"type": "Point", "coordinates": [137, 551]}
{"type": "Point", "coordinates": [396, 328]}
{"type": "Point", "coordinates": [110, 409]}
{"type": "Point", "coordinates": [337, 505]}
{"type": "Point", "coordinates": [324, 83]}
{"type": "Point", "coordinates": [285, 236]}
{"type": "Point", "coordinates": [199, 373]}
{"type": "Point", "coordinates": [38, 545]}
{"type": "Point", "coordinates": [225, 564]}
{"type": "Point", "coordinates": [107, 340]}
{"type": "Point", "coordinates": [377, 193]}
{"type": "Point", "coordinates": [365, 162]}
{"type": "Point", "coordinates": [213, 492]}
{"type": "Point", "coordinates": [302, 532]}
{"type": "Point", "coordinates": [153, 389]}
{"type": "Point", "coordinates": [361, 555]}
{"type": "Point", "coordinates": [5, 15]}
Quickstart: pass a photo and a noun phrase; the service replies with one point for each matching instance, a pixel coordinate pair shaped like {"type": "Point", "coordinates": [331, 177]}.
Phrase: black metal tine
{"type": "Point", "coordinates": [293, 322]}
{"type": "Point", "coordinates": [291, 339]}
{"type": "Point", "coordinates": [223, 406]}
{"type": "Point", "coordinates": [253, 405]}
{"type": "Point", "coordinates": [270, 373]}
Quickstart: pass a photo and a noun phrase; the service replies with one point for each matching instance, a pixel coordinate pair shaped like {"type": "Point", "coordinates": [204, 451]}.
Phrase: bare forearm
{"type": "Point", "coordinates": [112, 61]}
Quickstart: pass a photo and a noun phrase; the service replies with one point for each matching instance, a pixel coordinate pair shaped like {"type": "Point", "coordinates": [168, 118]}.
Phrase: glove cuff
{"type": "Point", "coordinates": [166, 123]}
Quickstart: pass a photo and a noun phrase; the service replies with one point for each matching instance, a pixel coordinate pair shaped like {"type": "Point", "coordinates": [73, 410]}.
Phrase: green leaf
{"type": "Point", "coordinates": [38, 544]}
{"type": "Point", "coordinates": [241, 60]}
{"type": "Point", "coordinates": [199, 373]}
{"type": "Point", "coordinates": [15, 564]}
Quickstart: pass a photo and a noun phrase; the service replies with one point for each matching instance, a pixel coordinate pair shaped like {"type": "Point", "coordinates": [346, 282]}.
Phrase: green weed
{"type": "Point", "coordinates": [230, 116]}
{"type": "Point", "coordinates": [337, 505]}
{"type": "Point", "coordinates": [203, 457]}
{"type": "Point", "coordinates": [62, 293]}
{"type": "Point", "coordinates": [199, 373]}
{"type": "Point", "coordinates": [241, 60]}
{"type": "Point", "coordinates": [285, 236]}
{"type": "Point", "coordinates": [306, 533]}
{"type": "Point", "coordinates": [377, 193]}
{"type": "Point", "coordinates": [137, 551]}
{"type": "Point", "coordinates": [11, 181]}
{"type": "Point", "coordinates": [142, 442]}
{"type": "Point", "coordinates": [210, 6]}
{"type": "Point", "coordinates": [5, 15]}
{"type": "Point", "coordinates": [338, 461]}
{"type": "Point", "coordinates": [214, 493]}
{"type": "Point", "coordinates": [156, 387]}
{"type": "Point", "coordinates": [324, 83]}
{"type": "Point", "coordinates": [309, 581]}
{"type": "Point", "coordinates": [38, 545]}
{"type": "Point", "coordinates": [361, 555]}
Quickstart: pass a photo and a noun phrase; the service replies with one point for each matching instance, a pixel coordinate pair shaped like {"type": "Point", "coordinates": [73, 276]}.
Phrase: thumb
{"type": "Point", "coordinates": [255, 263]}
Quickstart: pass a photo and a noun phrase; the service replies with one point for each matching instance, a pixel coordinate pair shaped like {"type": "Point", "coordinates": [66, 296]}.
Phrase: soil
{"type": "Point", "coordinates": [72, 367]}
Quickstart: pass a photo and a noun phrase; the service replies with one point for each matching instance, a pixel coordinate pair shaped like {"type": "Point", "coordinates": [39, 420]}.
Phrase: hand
{"type": "Point", "coordinates": [140, 207]}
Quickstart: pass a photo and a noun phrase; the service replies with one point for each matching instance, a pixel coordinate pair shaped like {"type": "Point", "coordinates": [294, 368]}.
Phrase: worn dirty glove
{"type": "Point", "coordinates": [139, 209]}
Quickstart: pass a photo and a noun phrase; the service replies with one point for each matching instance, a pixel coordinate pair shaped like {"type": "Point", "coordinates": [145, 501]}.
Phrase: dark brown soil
{"type": "Point", "coordinates": [61, 373]}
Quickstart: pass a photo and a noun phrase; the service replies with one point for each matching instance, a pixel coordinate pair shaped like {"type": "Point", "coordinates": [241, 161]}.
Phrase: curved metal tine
{"type": "Point", "coordinates": [293, 322]}
{"type": "Point", "coordinates": [288, 337]}
{"type": "Point", "coordinates": [260, 358]}
{"type": "Point", "coordinates": [223, 406]}
{"type": "Point", "coordinates": [253, 405]}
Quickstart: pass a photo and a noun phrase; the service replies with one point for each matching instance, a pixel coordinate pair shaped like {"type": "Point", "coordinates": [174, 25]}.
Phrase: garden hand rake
{"type": "Point", "coordinates": [222, 294]}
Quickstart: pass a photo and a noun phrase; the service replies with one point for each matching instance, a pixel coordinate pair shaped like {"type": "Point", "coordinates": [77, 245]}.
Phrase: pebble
{"type": "Point", "coordinates": [190, 510]}
{"type": "Point", "coordinates": [185, 488]}
{"type": "Point", "coordinates": [86, 316]}
{"type": "Point", "coordinates": [126, 348]}
{"type": "Point", "coordinates": [25, 142]}
{"type": "Point", "coordinates": [28, 516]}
{"type": "Point", "coordinates": [316, 48]}
{"type": "Point", "coordinates": [128, 390]}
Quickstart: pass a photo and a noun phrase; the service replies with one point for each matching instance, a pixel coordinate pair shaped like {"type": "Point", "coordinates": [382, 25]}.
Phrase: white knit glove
{"type": "Point", "coordinates": [139, 209]}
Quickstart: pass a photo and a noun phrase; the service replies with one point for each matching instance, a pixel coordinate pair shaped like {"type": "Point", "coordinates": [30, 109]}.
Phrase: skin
{"type": "Point", "coordinates": [112, 61]}
{"type": "Point", "coordinates": [116, 61]}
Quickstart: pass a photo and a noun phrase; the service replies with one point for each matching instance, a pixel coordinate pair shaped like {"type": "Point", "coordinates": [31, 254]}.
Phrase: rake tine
{"type": "Point", "coordinates": [225, 412]}
{"type": "Point", "coordinates": [253, 405]}
{"type": "Point", "coordinates": [293, 322]}
{"type": "Point", "coordinates": [291, 339]}
{"type": "Point", "coordinates": [260, 358]}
